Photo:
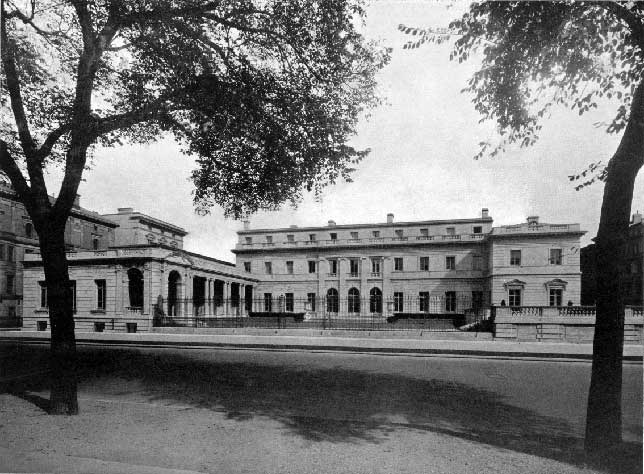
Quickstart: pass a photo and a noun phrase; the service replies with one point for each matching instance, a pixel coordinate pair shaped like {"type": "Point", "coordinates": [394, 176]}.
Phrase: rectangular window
{"type": "Point", "coordinates": [290, 238]}
{"type": "Point", "coordinates": [311, 266]}
{"type": "Point", "coordinates": [72, 285]}
{"type": "Point", "coordinates": [424, 264]}
{"type": "Point", "coordinates": [354, 235]}
{"type": "Point", "coordinates": [424, 232]}
{"type": "Point", "coordinates": [514, 296]}
{"type": "Point", "coordinates": [333, 267]}
{"type": "Point", "coordinates": [450, 301]}
{"type": "Point", "coordinates": [310, 298]}
{"type": "Point", "coordinates": [556, 296]}
{"type": "Point", "coordinates": [268, 267]}
{"type": "Point", "coordinates": [101, 288]}
{"type": "Point", "coordinates": [247, 267]}
{"type": "Point", "coordinates": [249, 240]}
{"type": "Point", "coordinates": [333, 236]}
{"type": "Point", "coordinates": [477, 262]}
{"type": "Point", "coordinates": [398, 301]}
{"type": "Point", "coordinates": [2, 251]}
{"type": "Point", "coordinates": [268, 302]}
{"type": "Point", "coordinates": [43, 294]}
{"type": "Point", "coordinates": [312, 237]}
{"type": "Point", "coordinates": [450, 262]}
{"type": "Point", "coordinates": [555, 256]}
{"type": "Point", "coordinates": [289, 302]}
{"type": "Point", "coordinates": [354, 267]}
{"type": "Point", "coordinates": [289, 267]}
{"type": "Point", "coordinates": [515, 257]}
{"type": "Point", "coordinates": [269, 239]}
{"type": "Point", "coordinates": [10, 284]}
{"type": "Point", "coordinates": [95, 243]}
{"type": "Point", "coordinates": [477, 229]}
{"type": "Point", "coordinates": [450, 230]}
{"type": "Point", "coordinates": [398, 264]}
{"type": "Point", "coordinates": [477, 299]}
{"type": "Point", "coordinates": [399, 233]}
{"type": "Point", "coordinates": [375, 265]}
{"type": "Point", "coordinates": [423, 301]}
{"type": "Point", "coordinates": [10, 253]}
{"type": "Point", "coordinates": [375, 234]}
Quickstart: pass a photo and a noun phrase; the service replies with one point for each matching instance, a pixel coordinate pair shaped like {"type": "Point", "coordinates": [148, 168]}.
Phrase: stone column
{"type": "Point", "coordinates": [118, 292]}
{"type": "Point", "coordinates": [227, 298]}
{"type": "Point", "coordinates": [242, 299]}
{"type": "Point", "coordinates": [342, 286]}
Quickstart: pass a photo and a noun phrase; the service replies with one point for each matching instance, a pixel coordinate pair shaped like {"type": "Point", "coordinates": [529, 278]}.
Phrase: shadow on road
{"type": "Point", "coordinates": [341, 405]}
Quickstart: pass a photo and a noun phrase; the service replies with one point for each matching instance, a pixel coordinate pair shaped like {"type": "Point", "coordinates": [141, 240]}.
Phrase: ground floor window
{"type": "Point", "coordinates": [423, 301]}
{"type": "Point", "coordinates": [332, 301]}
{"type": "Point", "coordinates": [398, 301]}
{"type": "Point", "coordinates": [268, 302]}
{"type": "Point", "coordinates": [43, 294]}
{"type": "Point", "coordinates": [375, 300]}
{"type": "Point", "coordinates": [556, 296]}
{"type": "Point", "coordinates": [289, 302]}
{"type": "Point", "coordinates": [450, 301]}
{"type": "Point", "coordinates": [310, 298]}
{"type": "Point", "coordinates": [354, 300]}
{"type": "Point", "coordinates": [514, 296]}
{"type": "Point", "coordinates": [100, 294]}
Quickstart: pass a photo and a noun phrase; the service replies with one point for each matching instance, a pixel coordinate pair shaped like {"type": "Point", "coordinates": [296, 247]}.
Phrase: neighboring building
{"type": "Point", "coordinates": [135, 228]}
{"type": "Point", "coordinates": [84, 230]}
{"type": "Point", "coordinates": [439, 266]}
{"type": "Point", "coordinates": [134, 284]}
{"type": "Point", "coordinates": [631, 277]}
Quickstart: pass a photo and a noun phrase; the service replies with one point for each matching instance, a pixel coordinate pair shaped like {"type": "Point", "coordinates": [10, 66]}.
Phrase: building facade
{"type": "Point", "coordinates": [85, 230]}
{"type": "Point", "coordinates": [140, 285]}
{"type": "Point", "coordinates": [440, 266]}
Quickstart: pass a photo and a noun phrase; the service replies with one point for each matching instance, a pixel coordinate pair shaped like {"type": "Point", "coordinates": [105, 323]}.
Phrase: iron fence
{"type": "Point", "coordinates": [425, 312]}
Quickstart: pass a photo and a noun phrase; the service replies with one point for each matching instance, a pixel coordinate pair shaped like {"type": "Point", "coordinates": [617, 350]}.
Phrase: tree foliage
{"type": "Point", "coordinates": [266, 95]}
{"type": "Point", "coordinates": [536, 55]}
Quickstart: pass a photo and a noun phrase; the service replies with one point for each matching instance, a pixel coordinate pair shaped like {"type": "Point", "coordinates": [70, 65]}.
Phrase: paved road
{"type": "Point", "coordinates": [484, 398]}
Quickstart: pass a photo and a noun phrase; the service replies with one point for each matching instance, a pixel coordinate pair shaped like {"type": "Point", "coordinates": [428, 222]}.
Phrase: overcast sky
{"type": "Point", "coordinates": [421, 163]}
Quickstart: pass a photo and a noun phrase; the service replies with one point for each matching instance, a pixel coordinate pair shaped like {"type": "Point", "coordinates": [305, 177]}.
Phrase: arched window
{"type": "Point", "coordinates": [332, 300]}
{"type": "Point", "coordinates": [29, 230]}
{"type": "Point", "coordinates": [135, 287]}
{"type": "Point", "coordinates": [375, 300]}
{"type": "Point", "coordinates": [354, 300]}
{"type": "Point", "coordinates": [174, 293]}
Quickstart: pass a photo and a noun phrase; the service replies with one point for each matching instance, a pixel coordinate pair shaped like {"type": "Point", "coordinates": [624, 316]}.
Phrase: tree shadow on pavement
{"type": "Point", "coordinates": [343, 405]}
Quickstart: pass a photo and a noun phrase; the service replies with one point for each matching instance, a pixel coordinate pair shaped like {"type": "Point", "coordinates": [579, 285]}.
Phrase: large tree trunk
{"type": "Point", "coordinates": [63, 398]}
{"type": "Point", "coordinates": [604, 415]}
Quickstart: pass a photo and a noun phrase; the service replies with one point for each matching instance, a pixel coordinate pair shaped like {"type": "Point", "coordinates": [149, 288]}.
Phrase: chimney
{"type": "Point", "coordinates": [292, 226]}
{"type": "Point", "coordinates": [331, 223]}
{"type": "Point", "coordinates": [485, 213]}
{"type": "Point", "coordinates": [533, 220]}
{"type": "Point", "coordinates": [390, 218]}
{"type": "Point", "coordinates": [246, 224]}
{"type": "Point", "coordinates": [125, 210]}
{"type": "Point", "coordinates": [637, 218]}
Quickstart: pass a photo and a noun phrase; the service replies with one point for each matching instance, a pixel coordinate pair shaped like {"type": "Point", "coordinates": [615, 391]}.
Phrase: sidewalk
{"type": "Point", "coordinates": [464, 344]}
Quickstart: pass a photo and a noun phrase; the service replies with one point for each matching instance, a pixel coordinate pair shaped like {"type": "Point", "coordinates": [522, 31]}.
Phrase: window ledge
{"type": "Point", "coordinates": [97, 311]}
{"type": "Point", "coordinates": [41, 310]}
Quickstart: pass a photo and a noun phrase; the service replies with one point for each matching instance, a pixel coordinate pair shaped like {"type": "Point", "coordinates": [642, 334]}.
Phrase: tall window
{"type": "Point", "coordinates": [514, 296]}
{"type": "Point", "coordinates": [375, 300]}
{"type": "Point", "coordinates": [289, 302]}
{"type": "Point", "coordinates": [398, 264]}
{"type": "Point", "coordinates": [424, 264]}
{"type": "Point", "coordinates": [375, 234]}
{"type": "Point", "coordinates": [289, 267]}
{"type": "Point", "coordinates": [101, 296]}
{"type": "Point", "coordinates": [450, 262]}
{"type": "Point", "coordinates": [332, 300]}
{"type": "Point", "coordinates": [477, 262]}
{"type": "Point", "coordinates": [247, 267]}
{"type": "Point", "coordinates": [268, 268]}
{"type": "Point", "coordinates": [423, 301]}
{"type": "Point", "coordinates": [10, 284]}
{"type": "Point", "coordinates": [43, 294]}
{"type": "Point", "coordinates": [135, 287]}
{"type": "Point", "coordinates": [515, 257]}
{"type": "Point", "coordinates": [95, 243]}
{"type": "Point", "coordinates": [333, 235]}
{"type": "Point", "coordinates": [375, 265]}
{"type": "Point", "coordinates": [477, 299]}
{"type": "Point", "coordinates": [29, 230]}
{"type": "Point", "coordinates": [333, 267]}
{"type": "Point", "coordinates": [268, 302]}
{"type": "Point", "coordinates": [399, 233]}
{"type": "Point", "coordinates": [354, 267]}
{"type": "Point", "coordinates": [2, 252]}
{"type": "Point", "coordinates": [312, 237]}
{"type": "Point", "coordinates": [398, 301]}
{"type": "Point", "coordinates": [269, 239]}
{"type": "Point", "coordinates": [556, 296]}
{"type": "Point", "coordinates": [311, 266]}
{"type": "Point", "coordinates": [354, 300]}
{"type": "Point", "coordinates": [450, 301]}
{"type": "Point", "coordinates": [555, 256]}
{"type": "Point", "coordinates": [10, 253]}
{"type": "Point", "coordinates": [310, 298]}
